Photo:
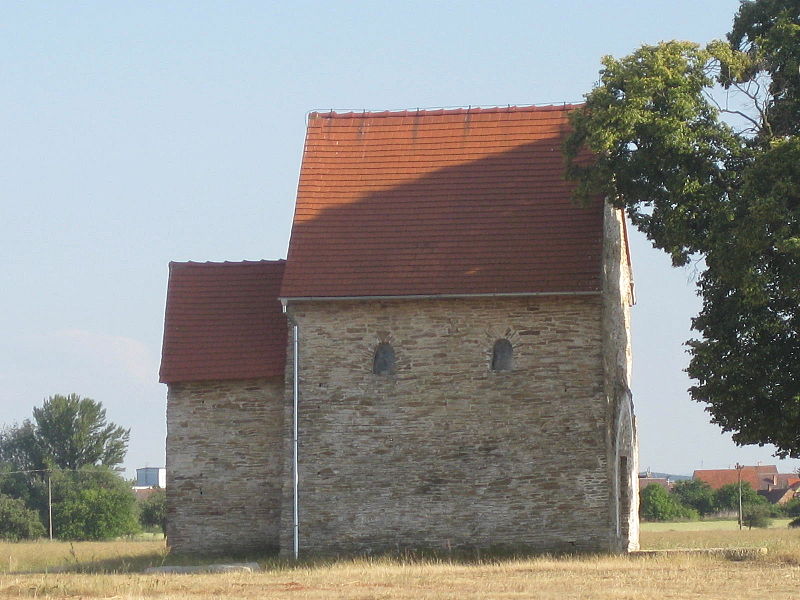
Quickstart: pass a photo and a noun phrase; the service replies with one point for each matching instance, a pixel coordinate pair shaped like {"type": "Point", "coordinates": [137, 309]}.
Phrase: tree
{"type": "Point", "coordinates": [153, 510]}
{"type": "Point", "coordinates": [706, 180]}
{"type": "Point", "coordinates": [727, 497]}
{"type": "Point", "coordinates": [18, 522]}
{"type": "Point", "coordinates": [68, 432]}
{"type": "Point", "coordinates": [93, 503]}
{"type": "Point", "coordinates": [792, 508]}
{"type": "Point", "coordinates": [695, 494]}
{"type": "Point", "coordinates": [656, 504]}
{"type": "Point", "coordinates": [756, 515]}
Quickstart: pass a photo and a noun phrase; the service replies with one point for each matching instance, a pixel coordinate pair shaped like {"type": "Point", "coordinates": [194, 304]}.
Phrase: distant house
{"type": "Point", "coordinates": [778, 488]}
{"type": "Point", "coordinates": [780, 495]}
{"type": "Point", "coordinates": [662, 481]}
{"type": "Point", "coordinates": [449, 329]}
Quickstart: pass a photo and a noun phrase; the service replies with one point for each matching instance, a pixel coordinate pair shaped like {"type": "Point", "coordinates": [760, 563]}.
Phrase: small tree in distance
{"type": "Point", "coordinates": [756, 515]}
{"type": "Point", "coordinates": [153, 511]}
{"type": "Point", "coordinates": [93, 503]}
{"type": "Point", "coordinates": [18, 522]}
{"type": "Point", "coordinates": [656, 504]}
{"type": "Point", "coordinates": [696, 494]}
{"type": "Point", "coordinates": [727, 497]}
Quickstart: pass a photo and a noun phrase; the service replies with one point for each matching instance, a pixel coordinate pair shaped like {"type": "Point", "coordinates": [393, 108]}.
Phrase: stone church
{"type": "Point", "coordinates": [441, 362]}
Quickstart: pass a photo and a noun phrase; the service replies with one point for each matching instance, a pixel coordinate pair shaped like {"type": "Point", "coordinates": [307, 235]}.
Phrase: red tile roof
{"type": "Point", "coordinates": [223, 321]}
{"type": "Point", "coordinates": [447, 202]}
{"type": "Point", "coordinates": [758, 476]}
{"type": "Point", "coordinates": [662, 481]}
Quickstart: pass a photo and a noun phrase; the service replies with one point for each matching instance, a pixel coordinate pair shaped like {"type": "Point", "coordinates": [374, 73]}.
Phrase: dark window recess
{"type": "Point", "coordinates": [502, 356]}
{"type": "Point", "coordinates": [383, 363]}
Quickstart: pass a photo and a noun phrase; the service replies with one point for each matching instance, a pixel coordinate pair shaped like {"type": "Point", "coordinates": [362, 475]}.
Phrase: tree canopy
{"type": "Point", "coordinates": [657, 504]}
{"type": "Point", "coordinates": [68, 432]}
{"type": "Point", "coordinates": [701, 147]}
{"type": "Point", "coordinates": [695, 494]}
{"type": "Point", "coordinates": [727, 497]}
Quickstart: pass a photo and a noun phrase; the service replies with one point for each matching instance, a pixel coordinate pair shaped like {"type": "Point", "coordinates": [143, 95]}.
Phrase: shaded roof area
{"type": "Point", "coordinates": [662, 481]}
{"type": "Point", "coordinates": [777, 496]}
{"type": "Point", "coordinates": [223, 321]}
{"type": "Point", "coordinates": [447, 202]}
{"type": "Point", "coordinates": [759, 477]}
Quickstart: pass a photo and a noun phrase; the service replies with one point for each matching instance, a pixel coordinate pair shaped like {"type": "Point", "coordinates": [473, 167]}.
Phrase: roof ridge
{"type": "Point", "coordinates": [209, 263]}
{"type": "Point", "coordinates": [430, 112]}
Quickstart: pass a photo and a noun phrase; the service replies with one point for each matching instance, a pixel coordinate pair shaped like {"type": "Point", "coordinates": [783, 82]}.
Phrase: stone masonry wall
{"type": "Point", "coordinates": [446, 453]}
{"type": "Point", "coordinates": [622, 448]}
{"type": "Point", "coordinates": [224, 465]}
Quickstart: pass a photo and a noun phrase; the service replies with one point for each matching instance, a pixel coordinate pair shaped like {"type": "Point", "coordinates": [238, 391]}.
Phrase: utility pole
{"type": "Point", "coordinates": [739, 473]}
{"type": "Point", "coordinates": [50, 505]}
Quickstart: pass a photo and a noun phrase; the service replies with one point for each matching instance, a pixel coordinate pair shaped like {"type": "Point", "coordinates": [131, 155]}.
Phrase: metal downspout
{"type": "Point", "coordinates": [295, 440]}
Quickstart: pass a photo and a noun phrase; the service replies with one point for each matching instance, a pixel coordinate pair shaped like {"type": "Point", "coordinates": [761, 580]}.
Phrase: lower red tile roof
{"type": "Point", "coordinates": [449, 202]}
{"type": "Point", "coordinates": [757, 476]}
{"type": "Point", "coordinates": [223, 321]}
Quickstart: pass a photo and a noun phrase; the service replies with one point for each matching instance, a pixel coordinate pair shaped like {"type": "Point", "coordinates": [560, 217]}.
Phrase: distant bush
{"type": "Point", "coordinates": [727, 497]}
{"type": "Point", "coordinates": [656, 504]}
{"type": "Point", "coordinates": [756, 515]}
{"type": "Point", "coordinates": [17, 522]}
{"type": "Point", "coordinates": [696, 494]}
{"type": "Point", "coordinates": [93, 503]}
{"type": "Point", "coordinates": [792, 508]}
{"type": "Point", "coordinates": [794, 522]}
{"type": "Point", "coordinates": [153, 511]}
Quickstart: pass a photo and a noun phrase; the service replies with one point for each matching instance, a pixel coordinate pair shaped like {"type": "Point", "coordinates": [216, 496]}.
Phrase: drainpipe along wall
{"type": "Point", "coordinates": [295, 432]}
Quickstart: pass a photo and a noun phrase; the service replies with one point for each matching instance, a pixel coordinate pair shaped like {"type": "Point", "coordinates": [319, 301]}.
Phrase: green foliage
{"type": "Point", "coordinates": [792, 508]}
{"type": "Point", "coordinates": [727, 497]}
{"type": "Point", "coordinates": [768, 32]}
{"type": "Point", "coordinates": [652, 140]}
{"type": "Point", "coordinates": [70, 438]}
{"type": "Point", "coordinates": [153, 511]}
{"type": "Point", "coordinates": [695, 494]}
{"type": "Point", "coordinates": [756, 515]}
{"type": "Point", "coordinates": [18, 522]}
{"type": "Point", "coordinates": [656, 504]}
{"type": "Point", "coordinates": [67, 432]}
{"type": "Point", "coordinates": [93, 503]}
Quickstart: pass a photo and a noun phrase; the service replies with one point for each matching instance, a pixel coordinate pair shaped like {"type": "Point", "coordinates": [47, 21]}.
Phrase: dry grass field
{"type": "Point", "coordinates": [113, 570]}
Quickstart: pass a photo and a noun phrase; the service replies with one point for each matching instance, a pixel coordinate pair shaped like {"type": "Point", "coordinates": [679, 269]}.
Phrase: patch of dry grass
{"type": "Point", "coordinates": [46, 555]}
{"type": "Point", "coordinates": [598, 577]}
{"type": "Point", "coordinates": [710, 525]}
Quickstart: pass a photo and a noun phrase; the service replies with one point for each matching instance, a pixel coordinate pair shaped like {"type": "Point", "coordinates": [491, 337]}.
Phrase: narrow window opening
{"type": "Point", "coordinates": [502, 356]}
{"type": "Point", "coordinates": [383, 362]}
{"type": "Point", "coordinates": [624, 495]}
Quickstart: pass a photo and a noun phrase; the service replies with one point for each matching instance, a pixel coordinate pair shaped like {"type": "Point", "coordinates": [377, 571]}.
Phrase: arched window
{"type": "Point", "coordinates": [383, 362]}
{"type": "Point", "coordinates": [502, 356]}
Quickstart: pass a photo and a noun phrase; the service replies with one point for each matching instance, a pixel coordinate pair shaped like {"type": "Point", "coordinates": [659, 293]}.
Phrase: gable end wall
{"type": "Point", "coordinates": [224, 465]}
{"type": "Point", "coordinates": [623, 451]}
{"type": "Point", "coordinates": [445, 453]}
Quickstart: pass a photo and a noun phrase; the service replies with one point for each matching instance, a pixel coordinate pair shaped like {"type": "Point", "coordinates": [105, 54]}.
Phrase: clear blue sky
{"type": "Point", "coordinates": [141, 132]}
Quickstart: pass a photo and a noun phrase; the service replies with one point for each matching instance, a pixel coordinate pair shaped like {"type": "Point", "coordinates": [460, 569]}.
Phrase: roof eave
{"type": "Point", "coordinates": [285, 300]}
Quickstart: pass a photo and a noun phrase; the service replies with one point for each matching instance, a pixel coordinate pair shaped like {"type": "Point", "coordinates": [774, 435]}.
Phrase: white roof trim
{"type": "Point", "coordinates": [435, 296]}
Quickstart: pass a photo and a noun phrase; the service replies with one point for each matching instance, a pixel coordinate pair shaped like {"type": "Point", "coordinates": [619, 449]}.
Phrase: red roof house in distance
{"type": "Point", "coordinates": [756, 476]}
{"type": "Point", "coordinates": [778, 488]}
{"type": "Point", "coordinates": [455, 328]}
